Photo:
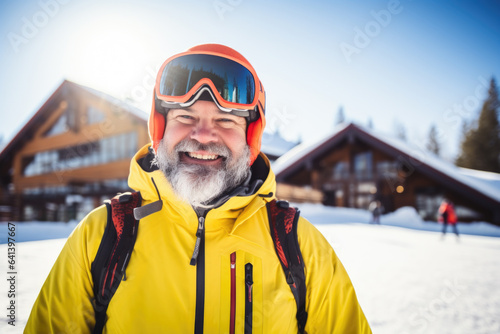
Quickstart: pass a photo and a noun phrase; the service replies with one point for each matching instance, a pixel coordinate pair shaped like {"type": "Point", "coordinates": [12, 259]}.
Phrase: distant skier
{"type": "Point", "coordinates": [376, 209]}
{"type": "Point", "coordinates": [447, 216]}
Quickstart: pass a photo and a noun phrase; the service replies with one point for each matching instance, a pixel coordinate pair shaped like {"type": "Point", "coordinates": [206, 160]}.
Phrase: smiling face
{"type": "Point", "coordinates": [203, 152]}
{"type": "Point", "coordinates": [205, 123]}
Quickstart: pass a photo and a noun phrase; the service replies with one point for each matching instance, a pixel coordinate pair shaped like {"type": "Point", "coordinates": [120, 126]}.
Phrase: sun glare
{"type": "Point", "coordinates": [109, 56]}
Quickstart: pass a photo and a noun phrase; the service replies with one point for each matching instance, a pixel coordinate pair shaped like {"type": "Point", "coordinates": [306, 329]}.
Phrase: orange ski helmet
{"type": "Point", "coordinates": [215, 69]}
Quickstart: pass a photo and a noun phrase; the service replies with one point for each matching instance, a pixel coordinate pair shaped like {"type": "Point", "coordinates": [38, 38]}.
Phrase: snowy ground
{"type": "Point", "coordinates": [407, 280]}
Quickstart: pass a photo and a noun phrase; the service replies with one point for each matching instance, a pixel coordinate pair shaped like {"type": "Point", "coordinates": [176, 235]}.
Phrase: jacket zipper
{"type": "Point", "coordinates": [200, 234]}
{"type": "Point", "coordinates": [248, 297]}
{"type": "Point", "coordinates": [233, 293]}
{"type": "Point", "coordinates": [198, 260]}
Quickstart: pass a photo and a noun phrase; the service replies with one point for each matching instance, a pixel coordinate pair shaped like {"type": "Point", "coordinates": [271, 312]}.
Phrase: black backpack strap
{"type": "Point", "coordinates": [114, 252]}
{"type": "Point", "coordinates": [283, 221]}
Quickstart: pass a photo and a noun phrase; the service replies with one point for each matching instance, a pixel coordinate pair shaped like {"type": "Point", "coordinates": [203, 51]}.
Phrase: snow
{"type": "Point", "coordinates": [144, 115]}
{"type": "Point", "coordinates": [303, 149]}
{"type": "Point", "coordinates": [492, 179]}
{"type": "Point", "coordinates": [413, 282]}
{"type": "Point", "coordinates": [32, 231]}
{"type": "Point", "coordinates": [406, 217]}
{"type": "Point", "coordinates": [408, 280]}
{"type": "Point", "coordinates": [274, 144]}
{"type": "Point", "coordinates": [34, 259]}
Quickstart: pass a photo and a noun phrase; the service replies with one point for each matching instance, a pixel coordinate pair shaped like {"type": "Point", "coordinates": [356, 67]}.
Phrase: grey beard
{"type": "Point", "coordinates": [199, 184]}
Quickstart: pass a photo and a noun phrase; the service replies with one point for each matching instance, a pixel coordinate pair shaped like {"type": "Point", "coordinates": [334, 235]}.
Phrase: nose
{"type": "Point", "coordinates": [204, 132]}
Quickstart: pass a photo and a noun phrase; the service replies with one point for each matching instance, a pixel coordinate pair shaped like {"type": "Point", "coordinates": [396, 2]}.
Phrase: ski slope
{"type": "Point", "coordinates": [407, 280]}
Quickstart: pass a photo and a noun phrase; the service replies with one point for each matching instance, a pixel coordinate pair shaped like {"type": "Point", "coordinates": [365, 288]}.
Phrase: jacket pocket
{"type": "Point", "coordinates": [248, 297]}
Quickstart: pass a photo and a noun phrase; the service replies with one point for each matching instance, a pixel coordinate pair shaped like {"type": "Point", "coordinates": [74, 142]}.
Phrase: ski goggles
{"type": "Point", "coordinates": [234, 87]}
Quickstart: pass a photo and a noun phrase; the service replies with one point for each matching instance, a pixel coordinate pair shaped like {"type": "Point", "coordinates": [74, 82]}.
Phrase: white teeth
{"type": "Point", "coordinates": [202, 156]}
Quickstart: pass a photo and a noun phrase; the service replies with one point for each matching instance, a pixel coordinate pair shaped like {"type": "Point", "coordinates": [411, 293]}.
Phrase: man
{"type": "Point", "coordinates": [447, 216]}
{"type": "Point", "coordinates": [211, 231]}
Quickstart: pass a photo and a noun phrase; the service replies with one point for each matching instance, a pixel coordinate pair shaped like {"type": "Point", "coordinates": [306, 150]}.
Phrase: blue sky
{"type": "Point", "coordinates": [414, 63]}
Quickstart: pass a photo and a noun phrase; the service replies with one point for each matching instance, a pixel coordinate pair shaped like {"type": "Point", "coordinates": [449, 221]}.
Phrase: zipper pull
{"type": "Point", "coordinates": [233, 260]}
{"type": "Point", "coordinates": [248, 295]}
{"type": "Point", "coordinates": [249, 280]}
{"type": "Point", "coordinates": [199, 233]}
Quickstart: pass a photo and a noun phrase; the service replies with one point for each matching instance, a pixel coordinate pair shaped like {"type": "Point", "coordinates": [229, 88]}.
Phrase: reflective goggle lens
{"type": "Point", "coordinates": [234, 82]}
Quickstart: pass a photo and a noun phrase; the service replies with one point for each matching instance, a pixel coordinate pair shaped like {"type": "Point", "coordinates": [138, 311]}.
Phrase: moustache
{"type": "Point", "coordinates": [190, 145]}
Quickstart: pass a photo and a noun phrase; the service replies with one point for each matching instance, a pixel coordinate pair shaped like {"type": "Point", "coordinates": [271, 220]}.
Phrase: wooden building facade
{"type": "Point", "coordinates": [353, 167]}
{"type": "Point", "coordinates": [74, 152]}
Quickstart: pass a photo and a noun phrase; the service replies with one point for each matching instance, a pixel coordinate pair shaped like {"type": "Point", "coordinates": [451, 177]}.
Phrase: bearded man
{"type": "Point", "coordinates": [204, 260]}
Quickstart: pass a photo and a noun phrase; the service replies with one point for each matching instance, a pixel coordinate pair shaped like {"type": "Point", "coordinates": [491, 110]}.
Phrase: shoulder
{"type": "Point", "coordinates": [320, 259]}
{"type": "Point", "coordinates": [310, 238]}
{"type": "Point", "coordinates": [319, 256]}
{"type": "Point", "coordinates": [93, 222]}
{"type": "Point", "coordinates": [85, 239]}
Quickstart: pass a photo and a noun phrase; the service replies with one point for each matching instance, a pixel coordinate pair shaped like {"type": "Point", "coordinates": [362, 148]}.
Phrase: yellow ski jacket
{"type": "Point", "coordinates": [161, 289]}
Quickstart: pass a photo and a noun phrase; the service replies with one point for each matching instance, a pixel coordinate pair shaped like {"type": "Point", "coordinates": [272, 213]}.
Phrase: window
{"type": "Point", "coordinates": [468, 214]}
{"type": "Point", "coordinates": [341, 170]}
{"type": "Point", "coordinates": [84, 207]}
{"type": "Point", "coordinates": [94, 115]}
{"type": "Point", "coordinates": [427, 203]}
{"type": "Point", "coordinates": [367, 188]}
{"type": "Point", "coordinates": [132, 146]}
{"type": "Point", "coordinates": [60, 126]}
{"type": "Point", "coordinates": [387, 169]}
{"type": "Point", "coordinates": [363, 201]}
{"type": "Point", "coordinates": [104, 150]}
{"type": "Point", "coordinates": [83, 155]}
{"type": "Point", "coordinates": [121, 146]}
{"type": "Point", "coordinates": [363, 165]}
{"type": "Point", "coordinates": [113, 148]}
{"type": "Point", "coordinates": [29, 212]}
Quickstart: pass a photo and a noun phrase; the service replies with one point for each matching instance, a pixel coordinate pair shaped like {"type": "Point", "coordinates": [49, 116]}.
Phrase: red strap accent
{"type": "Point", "coordinates": [120, 210]}
{"type": "Point", "coordinates": [250, 293]}
{"type": "Point", "coordinates": [281, 253]}
{"type": "Point", "coordinates": [104, 284]}
{"type": "Point", "coordinates": [114, 271]}
{"type": "Point", "coordinates": [289, 215]}
{"type": "Point", "coordinates": [233, 293]}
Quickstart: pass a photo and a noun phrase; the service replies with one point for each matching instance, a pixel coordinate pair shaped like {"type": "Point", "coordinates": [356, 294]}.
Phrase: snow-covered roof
{"type": "Point", "coordinates": [484, 182]}
{"type": "Point", "coordinates": [488, 179]}
{"type": "Point", "coordinates": [116, 101]}
{"type": "Point", "coordinates": [300, 151]}
{"type": "Point", "coordinates": [274, 144]}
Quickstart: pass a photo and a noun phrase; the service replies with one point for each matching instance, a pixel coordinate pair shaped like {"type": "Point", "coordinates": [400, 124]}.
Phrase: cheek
{"type": "Point", "coordinates": [235, 141]}
{"type": "Point", "coordinates": [174, 134]}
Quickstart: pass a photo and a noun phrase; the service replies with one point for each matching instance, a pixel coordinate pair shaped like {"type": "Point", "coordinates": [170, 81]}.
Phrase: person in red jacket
{"type": "Point", "coordinates": [447, 216]}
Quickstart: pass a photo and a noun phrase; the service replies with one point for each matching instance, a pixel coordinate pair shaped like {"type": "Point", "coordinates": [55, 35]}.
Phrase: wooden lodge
{"type": "Point", "coordinates": [74, 152]}
{"type": "Point", "coordinates": [354, 166]}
